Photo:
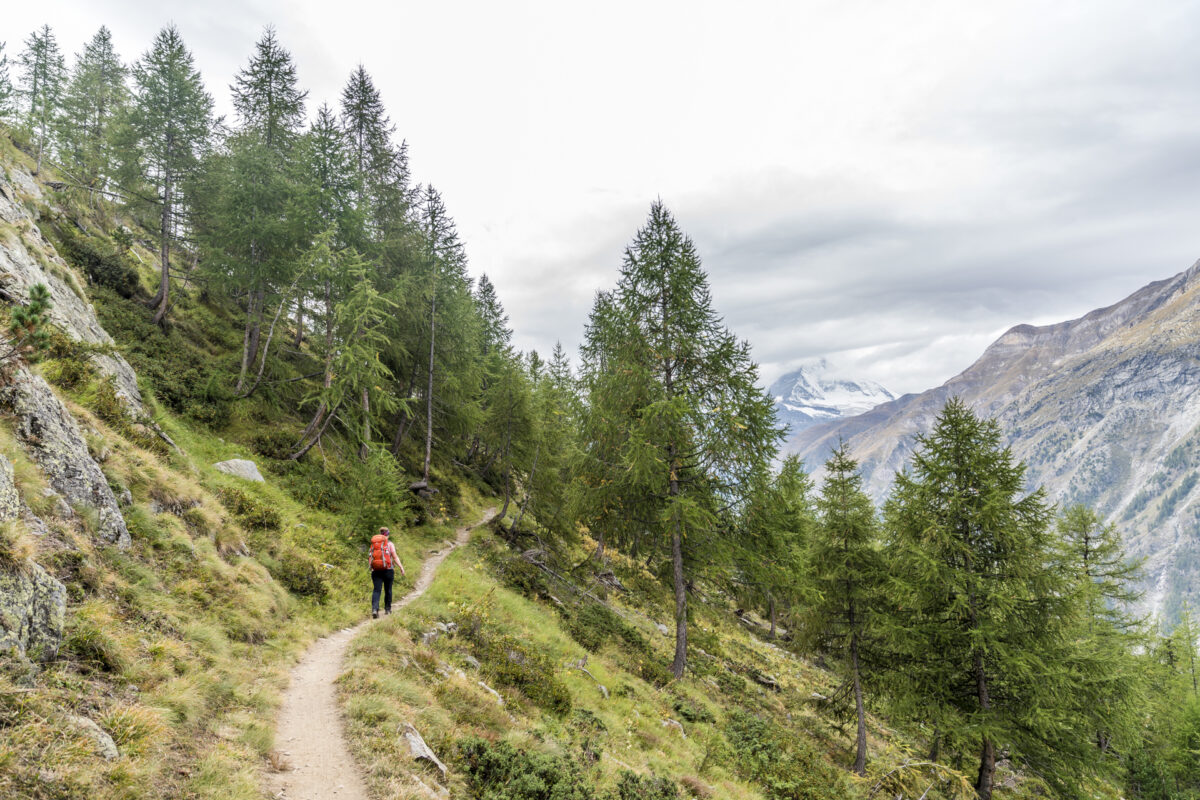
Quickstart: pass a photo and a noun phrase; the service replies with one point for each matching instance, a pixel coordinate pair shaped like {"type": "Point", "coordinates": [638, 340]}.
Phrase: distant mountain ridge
{"type": "Point", "coordinates": [815, 393]}
{"type": "Point", "coordinates": [1104, 410]}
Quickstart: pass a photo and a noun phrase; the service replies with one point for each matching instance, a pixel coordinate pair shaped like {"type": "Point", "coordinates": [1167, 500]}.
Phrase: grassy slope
{"type": "Point", "coordinates": [180, 646]}
{"type": "Point", "coordinates": [742, 740]}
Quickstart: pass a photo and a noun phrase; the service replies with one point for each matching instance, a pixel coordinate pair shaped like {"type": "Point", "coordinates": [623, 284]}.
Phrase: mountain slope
{"type": "Point", "coordinates": [1104, 409]}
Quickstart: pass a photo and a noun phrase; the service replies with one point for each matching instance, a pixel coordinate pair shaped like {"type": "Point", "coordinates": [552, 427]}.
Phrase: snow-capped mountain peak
{"type": "Point", "coordinates": [815, 392]}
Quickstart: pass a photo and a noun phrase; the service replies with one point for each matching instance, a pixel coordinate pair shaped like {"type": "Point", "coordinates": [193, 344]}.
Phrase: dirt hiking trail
{"type": "Point", "coordinates": [316, 764]}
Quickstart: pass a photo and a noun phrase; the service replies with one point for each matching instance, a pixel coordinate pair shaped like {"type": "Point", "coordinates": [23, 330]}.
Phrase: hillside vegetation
{"type": "Point", "coordinates": [660, 609]}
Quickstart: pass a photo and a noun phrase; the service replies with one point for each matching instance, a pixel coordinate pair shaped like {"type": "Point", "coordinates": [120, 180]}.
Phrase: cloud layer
{"type": "Point", "coordinates": [891, 185]}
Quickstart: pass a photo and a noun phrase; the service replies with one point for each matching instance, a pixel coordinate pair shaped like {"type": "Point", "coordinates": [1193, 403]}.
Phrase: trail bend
{"type": "Point", "coordinates": [309, 734]}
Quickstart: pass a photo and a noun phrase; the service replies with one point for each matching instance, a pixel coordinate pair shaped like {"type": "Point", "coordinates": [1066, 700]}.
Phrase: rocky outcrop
{"type": "Point", "coordinates": [241, 468]}
{"type": "Point", "coordinates": [33, 603]}
{"type": "Point", "coordinates": [51, 436]}
{"type": "Point", "coordinates": [33, 608]}
{"type": "Point", "coordinates": [21, 268]}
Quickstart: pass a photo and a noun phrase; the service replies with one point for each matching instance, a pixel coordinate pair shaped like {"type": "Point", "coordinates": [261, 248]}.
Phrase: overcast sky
{"type": "Point", "coordinates": [887, 184]}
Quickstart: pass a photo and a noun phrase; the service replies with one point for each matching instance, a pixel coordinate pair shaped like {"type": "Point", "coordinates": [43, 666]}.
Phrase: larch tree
{"type": "Point", "coordinates": [96, 98]}
{"type": "Point", "coordinates": [171, 123]}
{"type": "Point", "coordinates": [769, 554]}
{"type": "Point", "coordinates": [848, 575]}
{"type": "Point", "coordinates": [8, 95]}
{"type": "Point", "coordinates": [43, 75]}
{"type": "Point", "coordinates": [270, 105]}
{"type": "Point", "coordinates": [984, 621]}
{"type": "Point", "coordinates": [676, 392]}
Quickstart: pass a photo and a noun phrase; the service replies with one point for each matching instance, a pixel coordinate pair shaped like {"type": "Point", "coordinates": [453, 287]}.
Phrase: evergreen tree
{"type": "Point", "coordinates": [271, 199]}
{"type": "Point", "coordinates": [7, 92]}
{"type": "Point", "coordinates": [1109, 638]}
{"type": "Point", "coordinates": [43, 74]}
{"type": "Point", "coordinates": [769, 558]}
{"type": "Point", "coordinates": [266, 95]}
{"type": "Point", "coordinates": [676, 391]}
{"type": "Point", "coordinates": [381, 170]}
{"type": "Point", "coordinates": [985, 617]}
{"type": "Point", "coordinates": [171, 124]}
{"type": "Point", "coordinates": [96, 97]}
{"type": "Point", "coordinates": [848, 575]}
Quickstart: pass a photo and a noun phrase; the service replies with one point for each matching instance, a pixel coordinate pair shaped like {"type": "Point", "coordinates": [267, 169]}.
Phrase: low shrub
{"type": "Point", "coordinates": [787, 767]}
{"type": "Point", "coordinates": [102, 261]}
{"type": "Point", "coordinates": [300, 574]}
{"type": "Point", "coordinates": [593, 625]}
{"type": "Point", "coordinates": [499, 771]}
{"type": "Point", "coordinates": [511, 662]}
{"type": "Point", "coordinates": [526, 578]}
{"type": "Point", "coordinates": [253, 512]}
{"type": "Point", "coordinates": [632, 786]}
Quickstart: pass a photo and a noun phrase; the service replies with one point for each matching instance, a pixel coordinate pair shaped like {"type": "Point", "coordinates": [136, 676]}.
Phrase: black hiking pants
{"type": "Point", "coordinates": [382, 579]}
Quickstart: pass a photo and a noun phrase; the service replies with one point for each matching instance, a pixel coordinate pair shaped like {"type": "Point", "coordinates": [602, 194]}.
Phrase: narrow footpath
{"type": "Point", "coordinates": [317, 764]}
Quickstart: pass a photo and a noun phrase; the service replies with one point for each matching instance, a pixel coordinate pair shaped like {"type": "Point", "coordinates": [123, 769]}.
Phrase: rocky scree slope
{"type": "Point", "coordinates": [1104, 410]}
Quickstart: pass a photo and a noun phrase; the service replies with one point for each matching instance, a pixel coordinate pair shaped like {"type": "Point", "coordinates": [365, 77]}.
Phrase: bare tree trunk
{"type": "Point", "coordinates": [680, 662]}
{"type": "Point", "coordinates": [299, 322]}
{"type": "Point", "coordinates": [528, 489]}
{"type": "Point", "coordinates": [296, 456]}
{"type": "Point", "coordinates": [987, 758]}
{"type": "Point", "coordinates": [860, 755]}
{"type": "Point", "coordinates": [164, 282]}
{"type": "Point", "coordinates": [249, 341]}
{"type": "Point", "coordinates": [771, 612]}
{"type": "Point", "coordinates": [364, 448]}
{"type": "Point", "coordinates": [507, 461]}
{"type": "Point", "coordinates": [429, 388]}
{"type": "Point", "coordinates": [262, 364]}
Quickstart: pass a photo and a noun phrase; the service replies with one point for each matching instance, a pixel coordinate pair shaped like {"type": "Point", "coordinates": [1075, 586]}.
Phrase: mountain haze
{"type": "Point", "coordinates": [1103, 409]}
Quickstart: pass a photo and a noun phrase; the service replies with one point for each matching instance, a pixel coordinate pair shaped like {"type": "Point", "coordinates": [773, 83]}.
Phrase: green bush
{"type": "Point", "coordinates": [787, 767]}
{"type": "Point", "coordinates": [100, 260]}
{"type": "Point", "coordinates": [510, 662]}
{"type": "Point", "coordinates": [277, 444]}
{"type": "Point", "coordinates": [593, 625]}
{"type": "Point", "coordinates": [499, 771]}
{"type": "Point", "coordinates": [300, 574]}
{"type": "Point", "coordinates": [632, 786]}
{"type": "Point", "coordinates": [526, 578]}
{"type": "Point", "coordinates": [250, 510]}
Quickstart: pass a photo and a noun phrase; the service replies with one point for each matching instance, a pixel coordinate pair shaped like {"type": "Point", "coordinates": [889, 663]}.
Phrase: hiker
{"type": "Point", "coordinates": [384, 562]}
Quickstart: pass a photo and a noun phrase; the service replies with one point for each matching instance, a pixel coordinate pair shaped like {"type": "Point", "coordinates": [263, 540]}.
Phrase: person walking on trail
{"type": "Point", "coordinates": [384, 563]}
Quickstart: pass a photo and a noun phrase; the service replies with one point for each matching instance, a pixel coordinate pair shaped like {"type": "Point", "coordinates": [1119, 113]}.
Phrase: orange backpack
{"type": "Point", "coordinates": [381, 552]}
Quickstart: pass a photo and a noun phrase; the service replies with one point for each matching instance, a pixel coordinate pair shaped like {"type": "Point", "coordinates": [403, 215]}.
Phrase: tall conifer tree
{"type": "Point", "coordinates": [984, 635]}
{"type": "Point", "coordinates": [171, 122]}
{"type": "Point", "coordinates": [677, 392]}
{"type": "Point", "coordinates": [96, 97]}
{"type": "Point", "coordinates": [7, 92]}
{"type": "Point", "coordinates": [848, 575]}
{"type": "Point", "coordinates": [43, 74]}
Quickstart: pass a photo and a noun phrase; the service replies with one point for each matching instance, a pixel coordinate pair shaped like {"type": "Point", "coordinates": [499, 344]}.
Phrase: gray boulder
{"type": "Point", "coordinates": [106, 748]}
{"type": "Point", "coordinates": [33, 608]}
{"type": "Point", "coordinates": [51, 436]}
{"type": "Point", "coordinates": [240, 468]}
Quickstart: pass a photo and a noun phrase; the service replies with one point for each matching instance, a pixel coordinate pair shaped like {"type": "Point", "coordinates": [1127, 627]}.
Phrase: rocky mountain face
{"type": "Point", "coordinates": [815, 393]}
{"type": "Point", "coordinates": [1104, 410]}
{"type": "Point", "coordinates": [32, 602]}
